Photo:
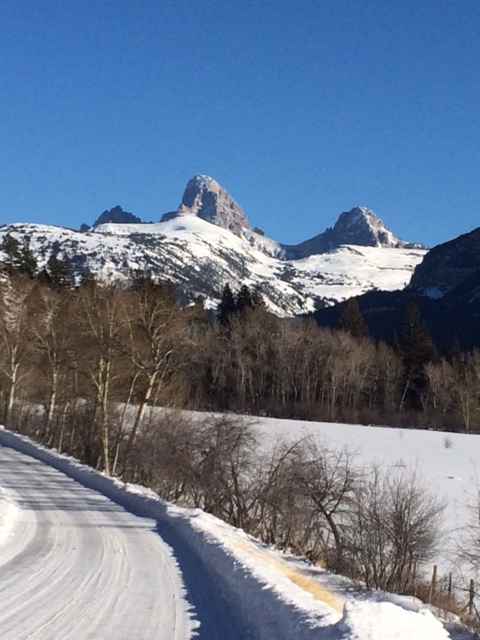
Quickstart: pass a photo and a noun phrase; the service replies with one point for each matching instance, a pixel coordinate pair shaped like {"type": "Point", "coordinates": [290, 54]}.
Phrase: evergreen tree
{"type": "Point", "coordinates": [166, 289]}
{"type": "Point", "coordinates": [351, 320]}
{"type": "Point", "coordinates": [417, 346]}
{"type": "Point", "coordinates": [196, 314]}
{"type": "Point", "coordinates": [20, 257]}
{"type": "Point", "coordinates": [454, 354]}
{"type": "Point", "coordinates": [44, 277]}
{"type": "Point", "coordinates": [395, 343]}
{"type": "Point", "coordinates": [142, 281]}
{"type": "Point", "coordinates": [61, 271]}
{"type": "Point", "coordinates": [244, 299]}
{"type": "Point", "coordinates": [199, 302]}
{"type": "Point", "coordinates": [11, 246]}
{"type": "Point", "coordinates": [29, 265]}
{"type": "Point", "coordinates": [88, 279]}
{"type": "Point", "coordinates": [198, 310]}
{"type": "Point", "coordinates": [258, 299]}
{"type": "Point", "coordinates": [150, 289]}
{"type": "Point", "coordinates": [417, 350]}
{"type": "Point", "coordinates": [226, 307]}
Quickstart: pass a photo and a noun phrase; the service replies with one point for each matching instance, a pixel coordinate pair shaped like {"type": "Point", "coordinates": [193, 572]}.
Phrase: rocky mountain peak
{"type": "Point", "coordinates": [118, 216]}
{"type": "Point", "coordinates": [362, 226]}
{"type": "Point", "coordinates": [359, 226]}
{"type": "Point", "coordinates": [205, 198]}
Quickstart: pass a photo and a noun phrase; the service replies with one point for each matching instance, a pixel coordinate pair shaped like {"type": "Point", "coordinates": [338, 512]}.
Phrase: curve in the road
{"type": "Point", "coordinates": [92, 561]}
{"type": "Point", "coordinates": [81, 567]}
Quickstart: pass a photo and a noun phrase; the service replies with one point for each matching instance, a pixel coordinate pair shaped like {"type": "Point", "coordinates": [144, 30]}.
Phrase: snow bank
{"type": "Point", "coordinates": [386, 621]}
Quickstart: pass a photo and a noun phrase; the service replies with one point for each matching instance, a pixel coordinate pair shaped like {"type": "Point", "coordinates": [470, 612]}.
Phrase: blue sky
{"type": "Point", "coordinates": [300, 109]}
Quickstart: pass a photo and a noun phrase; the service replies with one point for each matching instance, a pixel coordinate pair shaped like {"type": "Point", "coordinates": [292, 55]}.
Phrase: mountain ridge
{"type": "Point", "coordinates": [359, 226]}
{"type": "Point", "coordinates": [205, 198]}
{"type": "Point", "coordinates": [116, 215]}
{"type": "Point", "coordinates": [208, 242]}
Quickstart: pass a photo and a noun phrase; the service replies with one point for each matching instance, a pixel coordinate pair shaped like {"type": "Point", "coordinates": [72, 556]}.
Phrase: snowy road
{"type": "Point", "coordinates": [80, 566]}
{"type": "Point", "coordinates": [77, 564]}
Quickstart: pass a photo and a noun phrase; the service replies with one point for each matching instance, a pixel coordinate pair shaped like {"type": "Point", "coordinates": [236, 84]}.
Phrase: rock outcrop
{"type": "Point", "coordinates": [359, 226]}
{"type": "Point", "coordinates": [205, 198]}
{"type": "Point", "coordinates": [118, 216]}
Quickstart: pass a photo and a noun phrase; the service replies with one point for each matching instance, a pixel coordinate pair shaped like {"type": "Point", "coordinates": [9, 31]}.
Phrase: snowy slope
{"type": "Point", "coordinates": [200, 258]}
{"type": "Point", "coordinates": [77, 543]}
{"type": "Point", "coordinates": [352, 270]}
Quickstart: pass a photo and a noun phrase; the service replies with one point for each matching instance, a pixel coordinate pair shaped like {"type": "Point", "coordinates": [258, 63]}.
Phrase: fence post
{"type": "Point", "coordinates": [471, 597]}
{"type": "Point", "coordinates": [433, 584]}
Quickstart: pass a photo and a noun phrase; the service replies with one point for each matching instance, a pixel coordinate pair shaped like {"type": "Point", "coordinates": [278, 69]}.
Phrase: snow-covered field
{"type": "Point", "coordinates": [82, 556]}
{"type": "Point", "coordinates": [448, 464]}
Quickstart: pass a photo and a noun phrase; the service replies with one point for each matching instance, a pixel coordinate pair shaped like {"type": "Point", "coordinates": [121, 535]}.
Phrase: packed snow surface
{"type": "Point", "coordinates": [79, 566]}
{"type": "Point", "coordinates": [9, 514]}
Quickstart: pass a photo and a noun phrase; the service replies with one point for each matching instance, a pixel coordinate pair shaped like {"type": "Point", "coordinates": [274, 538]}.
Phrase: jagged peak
{"type": "Point", "coordinates": [206, 198]}
{"type": "Point", "coordinates": [203, 180]}
{"type": "Point", "coordinates": [360, 213]}
{"type": "Point", "coordinates": [197, 187]}
{"type": "Point", "coordinates": [116, 215]}
{"type": "Point", "coordinates": [362, 226]}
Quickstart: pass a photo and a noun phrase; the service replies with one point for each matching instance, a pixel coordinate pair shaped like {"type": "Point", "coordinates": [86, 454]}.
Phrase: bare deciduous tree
{"type": "Point", "coordinates": [392, 529]}
{"type": "Point", "coordinates": [226, 455]}
{"type": "Point", "coordinates": [441, 378]}
{"type": "Point", "coordinates": [98, 349]}
{"type": "Point", "coordinates": [154, 329]}
{"type": "Point", "coordinates": [49, 337]}
{"type": "Point", "coordinates": [329, 479]}
{"type": "Point", "coordinates": [15, 321]}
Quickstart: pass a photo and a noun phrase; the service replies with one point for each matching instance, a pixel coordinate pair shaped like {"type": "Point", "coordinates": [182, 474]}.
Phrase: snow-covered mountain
{"type": "Point", "coordinates": [445, 287]}
{"type": "Point", "coordinates": [452, 265]}
{"type": "Point", "coordinates": [359, 226]}
{"type": "Point", "coordinates": [208, 242]}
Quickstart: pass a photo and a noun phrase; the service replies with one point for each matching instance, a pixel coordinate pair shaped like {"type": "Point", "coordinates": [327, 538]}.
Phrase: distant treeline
{"type": "Point", "coordinates": [98, 345]}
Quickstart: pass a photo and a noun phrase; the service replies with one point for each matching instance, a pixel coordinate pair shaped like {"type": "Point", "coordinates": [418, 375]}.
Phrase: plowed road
{"type": "Point", "coordinates": [81, 567]}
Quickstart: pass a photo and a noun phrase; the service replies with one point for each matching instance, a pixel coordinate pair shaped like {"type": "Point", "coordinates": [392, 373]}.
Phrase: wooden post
{"type": "Point", "coordinates": [433, 584]}
{"type": "Point", "coordinates": [449, 587]}
{"type": "Point", "coordinates": [471, 597]}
